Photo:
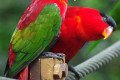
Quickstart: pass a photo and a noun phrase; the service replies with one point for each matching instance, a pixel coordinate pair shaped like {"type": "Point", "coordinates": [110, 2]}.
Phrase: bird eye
{"type": "Point", "coordinates": [104, 19]}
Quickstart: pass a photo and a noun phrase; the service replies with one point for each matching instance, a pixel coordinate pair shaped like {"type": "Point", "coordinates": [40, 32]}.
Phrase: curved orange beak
{"type": "Point", "coordinates": [107, 32]}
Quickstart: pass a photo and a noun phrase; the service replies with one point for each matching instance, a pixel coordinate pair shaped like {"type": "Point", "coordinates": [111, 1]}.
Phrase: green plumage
{"type": "Point", "coordinates": [30, 42]}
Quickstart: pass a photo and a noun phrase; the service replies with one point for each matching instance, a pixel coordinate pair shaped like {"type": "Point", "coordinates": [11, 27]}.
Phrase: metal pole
{"type": "Point", "coordinates": [96, 62]}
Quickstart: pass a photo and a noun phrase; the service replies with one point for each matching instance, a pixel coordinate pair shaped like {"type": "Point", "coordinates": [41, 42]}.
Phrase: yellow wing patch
{"type": "Point", "coordinates": [16, 35]}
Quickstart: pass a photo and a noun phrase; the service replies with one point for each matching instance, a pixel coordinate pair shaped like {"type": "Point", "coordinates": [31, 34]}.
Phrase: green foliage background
{"type": "Point", "coordinates": [11, 11]}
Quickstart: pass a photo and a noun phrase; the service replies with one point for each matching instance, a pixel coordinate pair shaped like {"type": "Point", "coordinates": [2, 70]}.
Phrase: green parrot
{"type": "Point", "coordinates": [37, 28]}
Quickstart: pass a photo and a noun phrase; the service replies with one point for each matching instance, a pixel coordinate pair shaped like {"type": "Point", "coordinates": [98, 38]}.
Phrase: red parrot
{"type": "Point", "coordinates": [80, 26]}
{"type": "Point", "coordinates": [38, 26]}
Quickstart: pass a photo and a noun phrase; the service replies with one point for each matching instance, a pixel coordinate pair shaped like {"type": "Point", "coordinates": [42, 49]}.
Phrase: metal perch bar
{"type": "Point", "coordinates": [96, 62]}
{"type": "Point", "coordinates": [4, 78]}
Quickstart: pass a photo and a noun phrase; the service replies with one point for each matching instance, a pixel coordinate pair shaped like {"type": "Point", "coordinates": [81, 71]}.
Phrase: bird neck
{"type": "Point", "coordinates": [69, 48]}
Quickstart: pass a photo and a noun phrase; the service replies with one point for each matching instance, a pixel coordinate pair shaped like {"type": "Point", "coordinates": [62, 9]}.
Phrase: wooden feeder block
{"type": "Point", "coordinates": [48, 69]}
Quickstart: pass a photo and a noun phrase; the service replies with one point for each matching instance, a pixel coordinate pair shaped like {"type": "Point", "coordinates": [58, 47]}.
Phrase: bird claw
{"type": "Point", "coordinates": [61, 54]}
{"type": "Point", "coordinates": [72, 69]}
{"type": "Point", "coordinates": [51, 55]}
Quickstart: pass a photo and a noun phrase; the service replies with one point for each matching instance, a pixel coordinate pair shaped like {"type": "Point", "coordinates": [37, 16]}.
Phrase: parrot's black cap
{"type": "Point", "coordinates": [109, 20]}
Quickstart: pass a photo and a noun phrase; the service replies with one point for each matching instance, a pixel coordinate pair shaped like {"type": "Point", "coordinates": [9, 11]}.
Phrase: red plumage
{"type": "Point", "coordinates": [11, 56]}
{"type": "Point", "coordinates": [80, 25]}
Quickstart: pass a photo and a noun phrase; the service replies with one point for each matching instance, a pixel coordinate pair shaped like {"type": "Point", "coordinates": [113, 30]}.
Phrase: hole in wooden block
{"type": "Point", "coordinates": [57, 71]}
{"type": "Point", "coordinates": [64, 70]}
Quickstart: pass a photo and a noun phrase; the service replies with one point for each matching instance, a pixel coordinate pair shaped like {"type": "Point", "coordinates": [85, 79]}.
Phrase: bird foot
{"type": "Point", "coordinates": [52, 55]}
{"type": "Point", "coordinates": [72, 69]}
{"type": "Point", "coordinates": [61, 54]}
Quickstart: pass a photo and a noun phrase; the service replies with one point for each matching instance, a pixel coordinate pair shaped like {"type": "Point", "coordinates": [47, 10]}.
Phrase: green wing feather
{"type": "Point", "coordinates": [30, 42]}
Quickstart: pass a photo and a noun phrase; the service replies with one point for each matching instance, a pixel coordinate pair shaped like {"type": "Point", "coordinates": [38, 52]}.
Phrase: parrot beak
{"type": "Point", "coordinates": [107, 32]}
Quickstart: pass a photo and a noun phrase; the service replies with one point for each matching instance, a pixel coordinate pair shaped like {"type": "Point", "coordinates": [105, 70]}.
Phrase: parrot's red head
{"type": "Point", "coordinates": [90, 24]}
{"type": "Point", "coordinates": [82, 25]}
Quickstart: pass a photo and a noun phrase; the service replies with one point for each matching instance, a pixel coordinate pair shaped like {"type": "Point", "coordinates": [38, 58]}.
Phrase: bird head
{"type": "Point", "coordinates": [112, 25]}
{"type": "Point", "coordinates": [91, 24]}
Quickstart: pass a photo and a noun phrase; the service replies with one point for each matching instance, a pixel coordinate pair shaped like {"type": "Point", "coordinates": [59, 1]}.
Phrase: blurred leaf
{"type": "Point", "coordinates": [3, 56]}
{"type": "Point", "coordinates": [101, 5]}
{"type": "Point", "coordinates": [113, 13]}
{"type": "Point", "coordinates": [10, 12]}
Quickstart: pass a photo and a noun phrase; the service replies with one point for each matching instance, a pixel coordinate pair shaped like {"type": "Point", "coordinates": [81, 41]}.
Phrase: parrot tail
{"type": "Point", "coordinates": [23, 75]}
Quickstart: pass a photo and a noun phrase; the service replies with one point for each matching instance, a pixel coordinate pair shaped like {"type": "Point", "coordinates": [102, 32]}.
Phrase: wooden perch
{"type": "Point", "coordinates": [48, 69]}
